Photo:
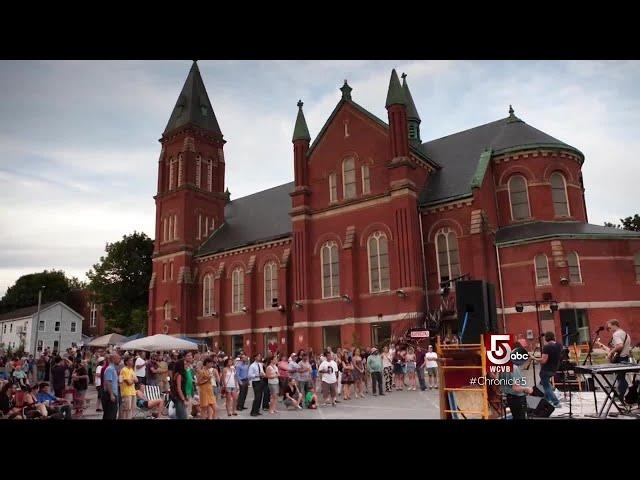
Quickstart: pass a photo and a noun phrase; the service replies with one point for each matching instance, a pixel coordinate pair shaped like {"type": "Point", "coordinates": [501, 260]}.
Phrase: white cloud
{"type": "Point", "coordinates": [79, 150]}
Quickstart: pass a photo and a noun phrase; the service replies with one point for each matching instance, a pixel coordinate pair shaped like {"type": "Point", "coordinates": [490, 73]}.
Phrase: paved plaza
{"type": "Point", "coordinates": [392, 406]}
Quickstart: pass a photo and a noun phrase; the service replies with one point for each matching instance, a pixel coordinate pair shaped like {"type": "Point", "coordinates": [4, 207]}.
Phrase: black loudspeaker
{"type": "Point", "coordinates": [539, 407]}
{"type": "Point", "coordinates": [475, 301]}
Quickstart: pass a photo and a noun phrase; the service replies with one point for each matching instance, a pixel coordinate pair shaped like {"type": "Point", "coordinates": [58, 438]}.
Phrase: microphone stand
{"type": "Point", "coordinates": [588, 357]}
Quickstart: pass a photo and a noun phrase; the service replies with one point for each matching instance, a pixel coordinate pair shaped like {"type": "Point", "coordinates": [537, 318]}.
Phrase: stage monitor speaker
{"type": "Point", "coordinates": [539, 407]}
{"type": "Point", "coordinates": [475, 301]}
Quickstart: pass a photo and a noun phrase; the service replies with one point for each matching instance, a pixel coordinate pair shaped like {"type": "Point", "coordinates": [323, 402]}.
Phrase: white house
{"type": "Point", "coordinates": [60, 327]}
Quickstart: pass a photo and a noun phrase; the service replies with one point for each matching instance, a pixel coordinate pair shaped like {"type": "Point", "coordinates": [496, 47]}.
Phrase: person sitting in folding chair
{"type": "Point", "coordinates": [149, 398]}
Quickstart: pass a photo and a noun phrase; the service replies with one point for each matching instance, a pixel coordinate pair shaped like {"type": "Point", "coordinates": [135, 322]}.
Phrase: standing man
{"type": "Point", "coordinates": [304, 374]}
{"type": "Point", "coordinates": [431, 362]}
{"type": "Point", "coordinates": [141, 368]}
{"type": "Point", "coordinates": [420, 362]}
{"type": "Point", "coordinates": [514, 386]}
{"type": "Point", "coordinates": [619, 353]}
{"type": "Point", "coordinates": [242, 370]}
{"type": "Point", "coordinates": [551, 354]}
{"type": "Point", "coordinates": [58, 376]}
{"type": "Point", "coordinates": [329, 370]}
{"type": "Point", "coordinates": [110, 386]}
{"type": "Point", "coordinates": [255, 376]}
{"type": "Point", "coordinates": [374, 365]}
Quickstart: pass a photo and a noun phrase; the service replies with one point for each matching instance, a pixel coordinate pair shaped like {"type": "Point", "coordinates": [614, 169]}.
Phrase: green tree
{"type": "Point", "coordinates": [628, 223]}
{"type": "Point", "coordinates": [120, 283]}
{"type": "Point", "coordinates": [24, 293]}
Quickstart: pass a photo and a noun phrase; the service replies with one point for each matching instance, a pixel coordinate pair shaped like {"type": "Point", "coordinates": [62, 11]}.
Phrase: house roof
{"type": "Point", "coordinates": [459, 154]}
{"type": "Point", "coordinates": [193, 105]}
{"type": "Point", "coordinates": [256, 218]}
{"type": "Point", "coordinates": [543, 230]}
{"type": "Point", "coordinates": [25, 311]}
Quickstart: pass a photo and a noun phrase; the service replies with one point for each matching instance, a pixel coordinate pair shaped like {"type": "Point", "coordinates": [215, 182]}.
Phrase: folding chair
{"type": "Point", "coordinates": [151, 392]}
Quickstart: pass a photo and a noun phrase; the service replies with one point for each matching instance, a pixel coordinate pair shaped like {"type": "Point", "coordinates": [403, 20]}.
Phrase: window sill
{"type": "Point", "coordinates": [543, 285]}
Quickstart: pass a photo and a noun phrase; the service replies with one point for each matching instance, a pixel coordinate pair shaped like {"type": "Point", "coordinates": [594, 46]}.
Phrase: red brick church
{"type": "Point", "coordinates": [358, 246]}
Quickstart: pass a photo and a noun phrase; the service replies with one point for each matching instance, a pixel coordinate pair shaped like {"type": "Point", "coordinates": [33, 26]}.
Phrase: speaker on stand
{"type": "Point", "coordinates": [476, 309]}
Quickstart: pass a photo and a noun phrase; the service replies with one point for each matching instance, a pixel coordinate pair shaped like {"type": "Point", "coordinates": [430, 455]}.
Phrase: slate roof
{"type": "Point", "coordinates": [541, 230]}
{"type": "Point", "coordinates": [256, 218]}
{"type": "Point", "coordinates": [193, 105]}
{"type": "Point", "coordinates": [25, 311]}
{"type": "Point", "coordinates": [459, 153]}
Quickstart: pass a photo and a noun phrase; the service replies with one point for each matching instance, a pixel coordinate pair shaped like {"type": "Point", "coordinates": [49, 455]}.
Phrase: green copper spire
{"type": "Point", "coordinates": [346, 91]}
{"type": "Point", "coordinates": [395, 95]}
{"type": "Point", "coordinates": [300, 131]}
{"type": "Point", "coordinates": [412, 111]}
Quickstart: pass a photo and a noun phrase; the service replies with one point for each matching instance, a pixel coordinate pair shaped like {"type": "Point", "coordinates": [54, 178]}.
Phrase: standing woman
{"type": "Point", "coordinates": [357, 373]}
{"type": "Point", "coordinates": [398, 371]}
{"type": "Point", "coordinates": [230, 385]}
{"type": "Point", "coordinates": [177, 384]}
{"type": "Point", "coordinates": [80, 378]}
{"type": "Point", "coordinates": [273, 383]}
{"type": "Point", "coordinates": [347, 376]}
{"type": "Point", "coordinates": [205, 388]}
{"type": "Point", "coordinates": [410, 361]}
{"type": "Point", "coordinates": [387, 368]}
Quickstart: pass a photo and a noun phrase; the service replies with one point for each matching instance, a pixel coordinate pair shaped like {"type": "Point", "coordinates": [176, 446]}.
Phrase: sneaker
{"type": "Point", "coordinates": [299, 407]}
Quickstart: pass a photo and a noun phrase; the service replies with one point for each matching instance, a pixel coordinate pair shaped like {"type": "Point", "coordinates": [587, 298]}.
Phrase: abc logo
{"type": "Point", "coordinates": [519, 356]}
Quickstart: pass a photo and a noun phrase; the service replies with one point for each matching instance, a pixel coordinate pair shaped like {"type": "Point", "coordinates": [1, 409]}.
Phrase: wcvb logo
{"type": "Point", "coordinates": [499, 353]}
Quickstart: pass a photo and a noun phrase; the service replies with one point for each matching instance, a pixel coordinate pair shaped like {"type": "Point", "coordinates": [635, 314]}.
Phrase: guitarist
{"type": "Point", "coordinates": [619, 353]}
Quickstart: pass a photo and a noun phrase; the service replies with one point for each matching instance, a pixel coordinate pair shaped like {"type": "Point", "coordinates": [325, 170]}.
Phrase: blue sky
{"type": "Point", "coordinates": [79, 149]}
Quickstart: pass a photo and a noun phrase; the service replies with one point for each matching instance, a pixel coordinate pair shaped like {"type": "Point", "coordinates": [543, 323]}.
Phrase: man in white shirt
{"type": "Point", "coordinates": [621, 347]}
{"type": "Point", "coordinates": [328, 370]}
{"type": "Point", "coordinates": [141, 368]}
{"type": "Point", "coordinates": [255, 375]}
{"type": "Point", "coordinates": [98, 383]}
{"type": "Point", "coordinates": [431, 363]}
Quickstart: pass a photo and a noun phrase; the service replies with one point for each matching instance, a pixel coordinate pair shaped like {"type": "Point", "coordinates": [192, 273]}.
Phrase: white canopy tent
{"type": "Point", "coordinates": [107, 340]}
{"type": "Point", "coordinates": [158, 343]}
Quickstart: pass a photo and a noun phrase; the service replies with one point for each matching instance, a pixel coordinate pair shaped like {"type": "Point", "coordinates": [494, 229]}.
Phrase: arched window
{"type": "Point", "coordinates": [333, 188]}
{"type": "Point", "coordinates": [366, 181]}
{"type": "Point", "coordinates": [378, 262]}
{"type": "Point", "coordinates": [198, 170]}
{"type": "Point", "coordinates": [330, 270]}
{"type": "Point", "coordinates": [210, 175]}
{"type": "Point", "coordinates": [559, 195]}
{"type": "Point", "coordinates": [170, 270]}
{"type": "Point", "coordinates": [172, 173]}
{"type": "Point", "coordinates": [165, 235]}
{"type": "Point", "coordinates": [167, 311]}
{"type": "Point", "coordinates": [448, 255]}
{"type": "Point", "coordinates": [349, 178]}
{"type": "Point", "coordinates": [237, 290]}
{"type": "Point", "coordinates": [180, 170]}
{"type": "Point", "coordinates": [519, 198]}
{"type": "Point", "coordinates": [170, 237]}
{"type": "Point", "coordinates": [636, 263]}
{"type": "Point", "coordinates": [573, 261]}
{"type": "Point", "coordinates": [207, 295]}
{"type": "Point", "coordinates": [164, 271]}
{"type": "Point", "coordinates": [270, 284]}
{"type": "Point", "coordinates": [542, 270]}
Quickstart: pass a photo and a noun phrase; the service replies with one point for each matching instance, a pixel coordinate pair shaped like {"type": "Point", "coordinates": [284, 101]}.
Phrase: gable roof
{"type": "Point", "coordinates": [29, 311]}
{"type": "Point", "coordinates": [193, 105]}
{"type": "Point", "coordinates": [256, 218]}
{"type": "Point", "coordinates": [543, 230]}
{"type": "Point", "coordinates": [460, 153]}
{"type": "Point", "coordinates": [414, 149]}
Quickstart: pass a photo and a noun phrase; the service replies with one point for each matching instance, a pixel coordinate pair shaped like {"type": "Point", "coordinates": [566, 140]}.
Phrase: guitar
{"type": "Point", "coordinates": [611, 354]}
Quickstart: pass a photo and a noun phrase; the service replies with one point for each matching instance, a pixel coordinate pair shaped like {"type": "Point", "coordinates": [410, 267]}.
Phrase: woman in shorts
{"type": "Point", "coordinates": [410, 361]}
{"type": "Point", "coordinates": [230, 385]}
{"type": "Point", "coordinates": [274, 384]}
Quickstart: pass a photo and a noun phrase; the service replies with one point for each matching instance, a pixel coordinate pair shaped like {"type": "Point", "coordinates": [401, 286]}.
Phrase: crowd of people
{"type": "Point", "coordinates": [205, 385]}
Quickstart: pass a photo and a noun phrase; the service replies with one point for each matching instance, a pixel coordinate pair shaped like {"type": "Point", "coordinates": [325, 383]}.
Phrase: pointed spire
{"type": "Point", "coordinates": [193, 105]}
{"type": "Point", "coordinates": [412, 111]}
{"type": "Point", "coordinates": [395, 95]}
{"type": "Point", "coordinates": [346, 90]}
{"type": "Point", "coordinates": [300, 131]}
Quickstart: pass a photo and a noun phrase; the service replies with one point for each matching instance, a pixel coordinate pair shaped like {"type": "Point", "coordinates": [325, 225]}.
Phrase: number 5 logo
{"type": "Point", "coordinates": [500, 346]}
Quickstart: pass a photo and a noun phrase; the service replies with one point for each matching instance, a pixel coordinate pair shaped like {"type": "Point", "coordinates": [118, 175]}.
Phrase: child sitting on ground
{"type": "Point", "coordinates": [310, 399]}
